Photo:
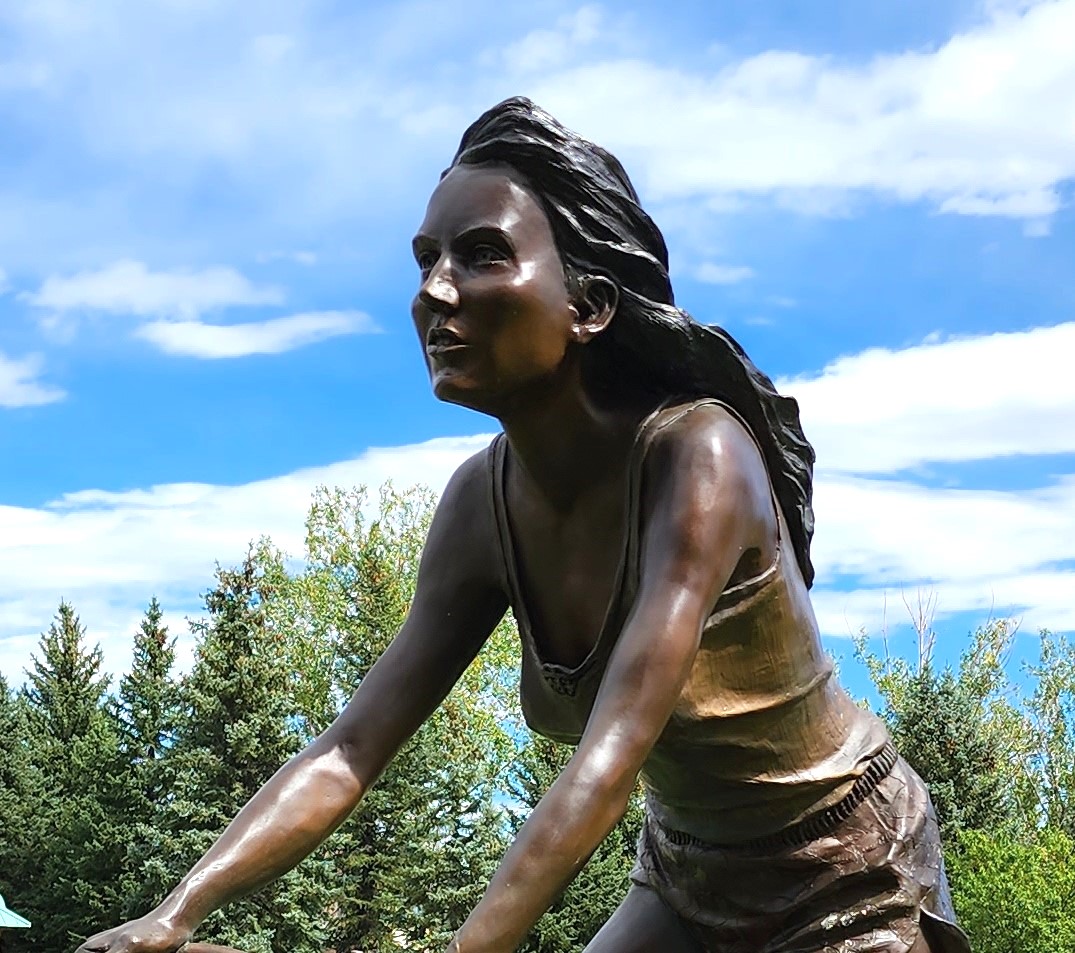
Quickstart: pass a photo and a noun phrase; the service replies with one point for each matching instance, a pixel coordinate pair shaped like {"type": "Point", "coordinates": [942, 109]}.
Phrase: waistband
{"type": "Point", "coordinates": [810, 828]}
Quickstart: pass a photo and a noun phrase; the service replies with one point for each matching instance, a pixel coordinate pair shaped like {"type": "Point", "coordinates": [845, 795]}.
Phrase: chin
{"type": "Point", "coordinates": [457, 389]}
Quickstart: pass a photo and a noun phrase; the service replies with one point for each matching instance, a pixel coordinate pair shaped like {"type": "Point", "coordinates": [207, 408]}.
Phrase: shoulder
{"type": "Point", "coordinates": [462, 538]}
{"type": "Point", "coordinates": [706, 442]}
{"type": "Point", "coordinates": [705, 476]}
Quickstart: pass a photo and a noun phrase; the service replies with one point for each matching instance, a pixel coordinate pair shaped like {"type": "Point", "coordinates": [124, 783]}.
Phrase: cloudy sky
{"type": "Point", "coordinates": [205, 214]}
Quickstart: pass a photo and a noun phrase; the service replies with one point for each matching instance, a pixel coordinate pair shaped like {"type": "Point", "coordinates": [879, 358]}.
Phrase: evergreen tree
{"type": "Point", "coordinates": [593, 896]}
{"type": "Point", "coordinates": [958, 729]}
{"type": "Point", "coordinates": [149, 706]}
{"type": "Point", "coordinates": [65, 682]}
{"type": "Point", "coordinates": [236, 733]}
{"type": "Point", "coordinates": [78, 841]}
{"type": "Point", "coordinates": [147, 713]}
{"type": "Point", "coordinates": [20, 806]}
{"type": "Point", "coordinates": [938, 729]}
{"type": "Point", "coordinates": [416, 856]}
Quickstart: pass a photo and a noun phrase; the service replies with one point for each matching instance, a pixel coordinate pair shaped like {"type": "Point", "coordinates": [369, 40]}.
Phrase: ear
{"type": "Point", "coordinates": [595, 304]}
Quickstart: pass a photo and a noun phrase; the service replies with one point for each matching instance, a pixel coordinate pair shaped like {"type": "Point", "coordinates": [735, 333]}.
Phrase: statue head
{"type": "Point", "coordinates": [650, 349]}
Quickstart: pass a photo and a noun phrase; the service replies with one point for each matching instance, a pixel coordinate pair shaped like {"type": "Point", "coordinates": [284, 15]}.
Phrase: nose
{"type": "Point", "coordinates": [438, 291]}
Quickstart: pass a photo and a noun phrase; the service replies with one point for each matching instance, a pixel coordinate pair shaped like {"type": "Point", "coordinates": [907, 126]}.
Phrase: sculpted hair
{"type": "Point", "coordinates": [651, 346]}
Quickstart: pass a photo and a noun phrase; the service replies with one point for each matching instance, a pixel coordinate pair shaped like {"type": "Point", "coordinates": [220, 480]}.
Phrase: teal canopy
{"type": "Point", "coordinates": [9, 918]}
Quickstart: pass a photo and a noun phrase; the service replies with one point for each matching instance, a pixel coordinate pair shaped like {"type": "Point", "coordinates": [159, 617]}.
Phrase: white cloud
{"type": "Point", "coordinates": [129, 287]}
{"type": "Point", "coordinates": [976, 398]}
{"type": "Point", "coordinates": [980, 125]}
{"type": "Point", "coordinates": [274, 336]}
{"type": "Point", "coordinates": [19, 383]}
{"type": "Point", "coordinates": [885, 532]}
{"type": "Point", "coordinates": [108, 552]}
{"type": "Point", "coordinates": [4, 285]}
{"type": "Point", "coordinates": [983, 125]}
{"type": "Point", "coordinates": [981, 550]}
{"type": "Point", "coordinates": [307, 258]}
{"type": "Point", "coordinates": [545, 49]}
{"type": "Point", "coordinates": [714, 274]}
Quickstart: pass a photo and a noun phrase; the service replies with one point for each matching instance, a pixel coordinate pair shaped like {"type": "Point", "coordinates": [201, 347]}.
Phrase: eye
{"type": "Point", "coordinates": [426, 259]}
{"type": "Point", "coordinates": [486, 254]}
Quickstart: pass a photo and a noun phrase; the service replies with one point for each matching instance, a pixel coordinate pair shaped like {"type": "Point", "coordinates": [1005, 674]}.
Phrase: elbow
{"type": "Point", "coordinates": [333, 765]}
{"type": "Point", "coordinates": [608, 776]}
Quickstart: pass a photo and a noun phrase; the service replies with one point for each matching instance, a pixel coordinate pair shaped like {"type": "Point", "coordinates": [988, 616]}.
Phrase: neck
{"type": "Point", "coordinates": [565, 443]}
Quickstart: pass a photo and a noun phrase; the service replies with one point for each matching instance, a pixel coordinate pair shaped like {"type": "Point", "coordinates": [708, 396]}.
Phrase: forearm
{"type": "Point", "coordinates": [575, 815]}
{"type": "Point", "coordinates": [289, 817]}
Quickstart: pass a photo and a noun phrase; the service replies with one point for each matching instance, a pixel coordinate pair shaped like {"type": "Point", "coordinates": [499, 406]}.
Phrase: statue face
{"type": "Point", "coordinates": [492, 311]}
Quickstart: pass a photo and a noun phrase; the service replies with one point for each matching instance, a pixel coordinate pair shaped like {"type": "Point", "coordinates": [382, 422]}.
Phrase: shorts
{"type": "Point", "coordinates": [868, 884]}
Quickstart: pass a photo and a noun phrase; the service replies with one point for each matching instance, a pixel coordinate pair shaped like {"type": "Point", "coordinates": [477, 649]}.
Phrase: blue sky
{"type": "Point", "coordinates": [205, 214]}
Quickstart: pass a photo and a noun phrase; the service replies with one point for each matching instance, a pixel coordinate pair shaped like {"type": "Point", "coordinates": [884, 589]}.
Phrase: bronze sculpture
{"type": "Point", "coordinates": [646, 514]}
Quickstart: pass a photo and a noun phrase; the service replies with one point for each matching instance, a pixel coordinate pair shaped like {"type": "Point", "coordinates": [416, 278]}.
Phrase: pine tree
{"type": "Point", "coordinates": [20, 807]}
{"type": "Point", "coordinates": [235, 734]}
{"type": "Point", "coordinates": [592, 897]}
{"type": "Point", "coordinates": [149, 705]}
{"type": "Point", "coordinates": [416, 856]}
{"type": "Point", "coordinates": [72, 885]}
{"type": "Point", "coordinates": [958, 728]}
{"type": "Point", "coordinates": [147, 713]}
{"type": "Point", "coordinates": [65, 683]}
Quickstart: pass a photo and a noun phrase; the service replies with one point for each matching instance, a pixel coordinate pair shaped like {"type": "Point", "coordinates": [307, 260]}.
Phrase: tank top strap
{"type": "Point", "coordinates": [665, 416]}
{"type": "Point", "coordinates": [495, 470]}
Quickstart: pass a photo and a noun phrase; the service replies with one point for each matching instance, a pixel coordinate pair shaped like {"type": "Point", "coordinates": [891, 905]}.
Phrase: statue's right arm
{"type": "Point", "coordinates": [458, 601]}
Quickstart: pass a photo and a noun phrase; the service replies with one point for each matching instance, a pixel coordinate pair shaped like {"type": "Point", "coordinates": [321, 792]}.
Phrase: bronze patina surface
{"type": "Point", "coordinates": [646, 514]}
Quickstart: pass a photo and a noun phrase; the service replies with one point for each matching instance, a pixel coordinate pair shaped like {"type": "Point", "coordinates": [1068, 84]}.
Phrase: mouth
{"type": "Point", "coordinates": [442, 340]}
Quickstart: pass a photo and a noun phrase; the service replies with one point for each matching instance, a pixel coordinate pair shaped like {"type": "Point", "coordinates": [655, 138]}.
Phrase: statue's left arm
{"type": "Point", "coordinates": [706, 504]}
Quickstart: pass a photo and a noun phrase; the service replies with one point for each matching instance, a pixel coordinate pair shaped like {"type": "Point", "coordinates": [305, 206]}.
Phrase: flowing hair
{"type": "Point", "coordinates": [651, 346]}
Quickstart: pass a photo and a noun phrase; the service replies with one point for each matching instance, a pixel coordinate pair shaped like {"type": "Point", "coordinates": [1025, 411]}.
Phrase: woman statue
{"type": "Point", "coordinates": [646, 515]}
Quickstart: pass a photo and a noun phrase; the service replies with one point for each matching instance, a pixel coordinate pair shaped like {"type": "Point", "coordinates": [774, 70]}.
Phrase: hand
{"type": "Point", "coordinates": [149, 934]}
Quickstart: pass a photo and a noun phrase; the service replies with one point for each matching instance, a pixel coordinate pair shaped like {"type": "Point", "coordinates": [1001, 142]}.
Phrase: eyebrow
{"type": "Point", "coordinates": [475, 231]}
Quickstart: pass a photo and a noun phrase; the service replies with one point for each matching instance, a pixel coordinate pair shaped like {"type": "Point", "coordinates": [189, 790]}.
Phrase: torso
{"type": "Point", "coordinates": [762, 734]}
{"type": "Point", "coordinates": [570, 566]}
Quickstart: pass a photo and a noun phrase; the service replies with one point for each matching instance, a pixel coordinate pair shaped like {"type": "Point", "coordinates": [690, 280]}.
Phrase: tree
{"type": "Point", "coordinates": [1052, 713]}
{"type": "Point", "coordinates": [1016, 893]}
{"type": "Point", "coordinates": [20, 803]}
{"type": "Point", "coordinates": [959, 729]}
{"type": "Point", "coordinates": [237, 732]}
{"type": "Point", "coordinates": [148, 706]}
{"type": "Point", "coordinates": [147, 713]}
{"type": "Point", "coordinates": [594, 894]}
{"type": "Point", "coordinates": [65, 682]}
{"type": "Point", "coordinates": [77, 843]}
{"type": "Point", "coordinates": [415, 857]}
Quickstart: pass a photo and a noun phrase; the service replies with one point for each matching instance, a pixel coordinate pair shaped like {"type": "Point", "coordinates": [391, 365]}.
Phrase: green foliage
{"type": "Point", "coordinates": [417, 854]}
{"type": "Point", "coordinates": [20, 801]}
{"type": "Point", "coordinates": [147, 712]}
{"type": "Point", "coordinates": [65, 686]}
{"type": "Point", "coordinates": [1016, 894]}
{"type": "Point", "coordinates": [957, 729]}
{"type": "Point", "coordinates": [1001, 770]}
{"type": "Point", "coordinates": [148, 707]}
{"type": "Point", "coordinates": [236, 732]}
{"type": "Point", "coordinates": [593, 896]}
{"type": "Point", "coordinates": [1052, 714]}
{"type": "Point", "coordinates": [67, 881]}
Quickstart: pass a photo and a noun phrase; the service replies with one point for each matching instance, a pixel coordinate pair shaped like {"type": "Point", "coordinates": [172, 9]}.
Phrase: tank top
{"type": "Point", "coordinates": [762, 736]}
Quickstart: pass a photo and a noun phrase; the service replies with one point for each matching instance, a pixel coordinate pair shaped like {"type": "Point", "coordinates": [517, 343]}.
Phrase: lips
{"type": "Point", "coordinates": [439, 340]}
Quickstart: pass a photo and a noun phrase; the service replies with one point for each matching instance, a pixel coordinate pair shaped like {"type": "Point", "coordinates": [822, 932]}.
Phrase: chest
{"type": "Point", "coordinates": [568, 569]}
